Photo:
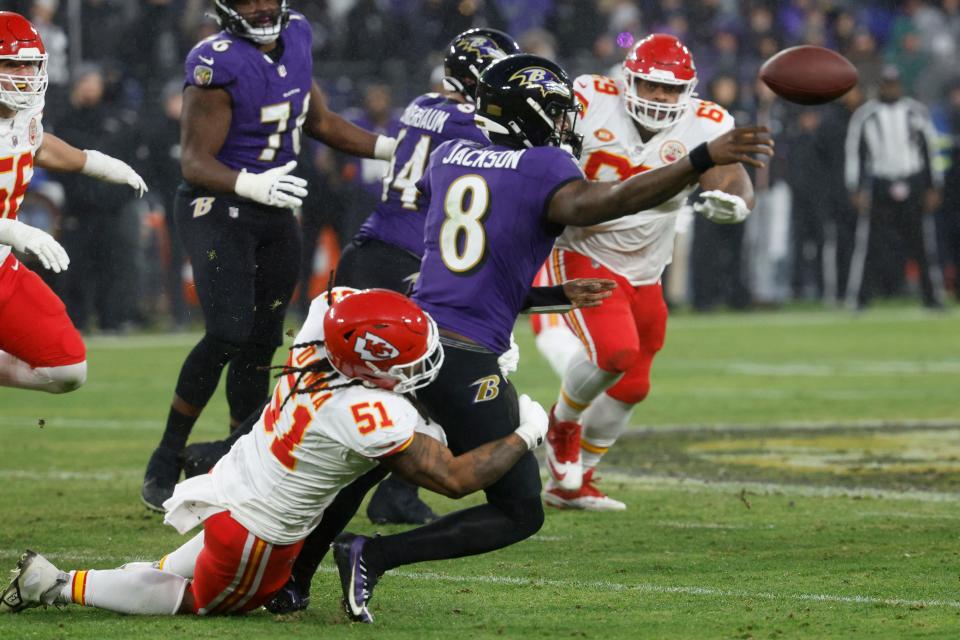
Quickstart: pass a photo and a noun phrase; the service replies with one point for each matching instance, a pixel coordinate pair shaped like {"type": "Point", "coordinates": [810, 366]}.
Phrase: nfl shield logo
{"type": "Point", "coordinates": [32, 131]}
{"type": "Point", "coordinates": [202, 75]}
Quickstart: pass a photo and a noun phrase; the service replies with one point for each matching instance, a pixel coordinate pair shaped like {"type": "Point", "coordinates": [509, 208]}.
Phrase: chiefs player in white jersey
{"type": "Point", "coordinates": [337, 411]}
{"type": "Point", "coordinates": [39, 346]}
{"type": "Point", "coordinates": [648, 119]}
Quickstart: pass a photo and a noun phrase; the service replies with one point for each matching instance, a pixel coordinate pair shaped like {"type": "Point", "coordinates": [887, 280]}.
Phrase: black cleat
{"type": "Point", "coordinates": [396, 502]}
{"type": "Point", "coordinates": [288, 600]}
{"type": "Point", "coordinates": [163, 473]}
{"type": "Point", "coordinates": [199, 458]}
{"type": "Point", "coordinates": [356, 584]}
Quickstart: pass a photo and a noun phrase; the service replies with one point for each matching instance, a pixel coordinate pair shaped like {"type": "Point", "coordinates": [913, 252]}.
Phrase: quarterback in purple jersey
{"type": "Point", "coordinates": [387, 250]}
{"type": "Point", "coordinates": [249, 95]}
{"type": "Point", "coordinates": [495, 210]}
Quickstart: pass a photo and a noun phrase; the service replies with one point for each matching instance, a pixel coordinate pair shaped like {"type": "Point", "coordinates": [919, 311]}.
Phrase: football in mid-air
{"type": "Point", "coordinates": [808, 74]}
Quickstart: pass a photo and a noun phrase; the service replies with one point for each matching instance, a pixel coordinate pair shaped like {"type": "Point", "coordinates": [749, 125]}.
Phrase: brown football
{"type": "Point", "coordinates": [808, 74]}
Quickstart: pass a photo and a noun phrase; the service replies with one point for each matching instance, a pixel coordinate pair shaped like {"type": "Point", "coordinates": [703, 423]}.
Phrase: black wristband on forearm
{"type": "Point", "coordinates": [546, 300]}
{"type": "Point", "coordinates": [700, 158]}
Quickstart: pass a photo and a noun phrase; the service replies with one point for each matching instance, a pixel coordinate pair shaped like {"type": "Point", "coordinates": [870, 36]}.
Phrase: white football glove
{"type": "Point", "coordinates": [109, 169]}
{"type": "Point", "coordinates": [533, 422]}
{"type": "Point", "coordinates": [509, 360]}
{"type": "Point", "coordinates": [27, 239]}
{"type": "Point", "coordinates": [273, 187]}
{"type": "Point", "coordinates": [721, 207]}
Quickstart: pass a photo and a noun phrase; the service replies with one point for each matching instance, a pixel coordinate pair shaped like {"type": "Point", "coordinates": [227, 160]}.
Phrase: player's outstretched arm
{"type": "Point", "coordinates": [429, 464]}
{"type": "Point", "coordinates": [583, 203]}
{"type": "Point", "coordinates": [333, 129]}
{"type": "Point", "coordinates": [56, 154]}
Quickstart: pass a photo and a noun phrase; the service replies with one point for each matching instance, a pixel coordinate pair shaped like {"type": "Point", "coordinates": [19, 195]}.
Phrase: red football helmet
{"type": "Point", "coordinates": [662, 59]}
{"type": "Point", "coordinates": [20, 41]}
{"type": "Point", "coordinates": [384, 338]}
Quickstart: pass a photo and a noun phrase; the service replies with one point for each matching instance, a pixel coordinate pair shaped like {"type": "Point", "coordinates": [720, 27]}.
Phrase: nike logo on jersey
{"type": "Point", "coordinates": [205, 60]}
{"type": "Point", "coordinates": [287, 94]}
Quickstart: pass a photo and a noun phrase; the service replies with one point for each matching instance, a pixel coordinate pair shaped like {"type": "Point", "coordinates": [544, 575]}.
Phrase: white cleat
{"type": "Point", "coordinates": [563, 453]}
{"type": "Point", "coordinates": [34, 582]}
{"type": "Point", "coordinates": [587, 498]}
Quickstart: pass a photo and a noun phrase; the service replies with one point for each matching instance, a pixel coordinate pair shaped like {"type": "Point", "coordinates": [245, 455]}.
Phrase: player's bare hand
{"type": "Point", "coordinates": [588, 292]}
{"type": "Point", "coordinates": [741, 145]}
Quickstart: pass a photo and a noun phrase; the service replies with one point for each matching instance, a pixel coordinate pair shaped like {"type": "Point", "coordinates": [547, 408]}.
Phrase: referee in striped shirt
{"type": "Point", "coordinates": [895, 188]}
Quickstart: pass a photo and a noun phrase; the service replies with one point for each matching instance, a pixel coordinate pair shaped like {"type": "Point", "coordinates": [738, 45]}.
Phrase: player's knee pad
{"type": "Point", "coordinates": [630, 390]}
{"type": "Point", "coordinates": [526, 513]}
{"type": "Point", "coordinates": [257, 355]}
{"type": "Point", "coordinates": [230, 329]}
{"type": "Point", "coordinates": [220, 348]}
{"type": "Point", "coordinates": [65, 378]}
{"type": "Point", "coordinates": [617, 359]}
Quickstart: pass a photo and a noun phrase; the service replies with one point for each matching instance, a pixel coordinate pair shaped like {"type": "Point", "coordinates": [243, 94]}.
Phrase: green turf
{"type": "Point", "coordinates": [803, 413]}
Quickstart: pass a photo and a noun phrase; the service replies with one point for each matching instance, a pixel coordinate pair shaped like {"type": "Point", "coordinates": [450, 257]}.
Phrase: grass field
{"type": "Point", "coordinates": [793, 475]}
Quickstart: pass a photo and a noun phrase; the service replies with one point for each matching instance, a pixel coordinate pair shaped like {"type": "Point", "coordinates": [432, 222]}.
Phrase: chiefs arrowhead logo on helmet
{"type": "Point", "coordinates": [373, 348]}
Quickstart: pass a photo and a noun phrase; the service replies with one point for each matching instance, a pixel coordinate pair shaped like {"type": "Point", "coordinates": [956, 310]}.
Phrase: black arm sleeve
{"type": "Point", "coordinates": [547, 300]}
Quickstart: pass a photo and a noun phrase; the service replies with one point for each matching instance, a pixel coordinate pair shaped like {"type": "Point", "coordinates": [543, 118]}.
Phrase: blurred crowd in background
{"type": "Point", "coordinates": [116, 75]}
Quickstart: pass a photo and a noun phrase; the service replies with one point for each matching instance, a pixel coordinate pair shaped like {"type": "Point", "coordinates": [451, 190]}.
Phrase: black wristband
{"type": "Point", "coordinates": [546, 300]}
{"type": "Point", "coordinates": [700, 158]}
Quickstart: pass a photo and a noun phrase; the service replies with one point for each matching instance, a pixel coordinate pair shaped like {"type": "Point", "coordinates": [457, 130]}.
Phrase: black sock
{"type": "Point", "coordinates": [335, 518]}
{"type": "Point", "coordinates": [248, 380]}
{"type": "Point", "coordinates": [462, 533]}
{"type": "Point", "coordinates": [196, 384]}
{"type": "Point", "coordinates": [177, 431]}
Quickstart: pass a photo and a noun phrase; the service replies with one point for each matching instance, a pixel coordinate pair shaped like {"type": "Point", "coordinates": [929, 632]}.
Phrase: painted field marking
{"type": "Point", "coordinates": [54, 474]}
{"type": "Point", "coordinates": [697, 485]}
{"type": "Point", "coordinates": [677, 524]}
{"type": "Point", "coordinates": [710, 592]}
{"type": "Point", "coordinates": [580, 585]}
{"type": "Point", "coordinates": [634, 432]}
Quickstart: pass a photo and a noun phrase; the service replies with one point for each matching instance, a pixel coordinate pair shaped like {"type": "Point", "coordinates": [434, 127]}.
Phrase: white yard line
{"type": "Point", "coordinates": [55, 474]}
{"type": "Point", "coordinates": [80, 423]}
{"type": "Point", "coordinates": [580, 585]}
{"type": "Point", "coordinates": [812, 425]}
{"type": "Point", "coordinates": [711, 592]}
{"type": "Point", "coordinates": [635, 430]}
{"type": "Point", "coordinates": [696, 485]}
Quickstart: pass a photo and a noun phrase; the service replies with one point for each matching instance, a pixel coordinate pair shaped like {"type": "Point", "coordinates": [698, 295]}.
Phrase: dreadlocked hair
{"type": "Point", "coordinates": [317, 374]}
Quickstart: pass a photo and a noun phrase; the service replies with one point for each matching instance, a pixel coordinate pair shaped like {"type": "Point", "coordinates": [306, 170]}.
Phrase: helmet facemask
{"type": "Point", "coordinates": [18, 91]}
{"type": "Point", "coordinates": [406, 377]}
{"type": "Point", "coordinates": [654, 115]}
{"type": "Point", "coordinates": [422, 371]}
{"type": "Point", "coordinates": [231, 20]}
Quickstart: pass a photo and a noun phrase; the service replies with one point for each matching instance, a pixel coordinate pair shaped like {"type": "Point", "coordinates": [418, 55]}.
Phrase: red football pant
{"type": "Point", "coordinates": [34, 325]}
{"type": "Point", "coordinates": [621, 335]}
{"type": "Point", "coordinates": [236, 571]}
